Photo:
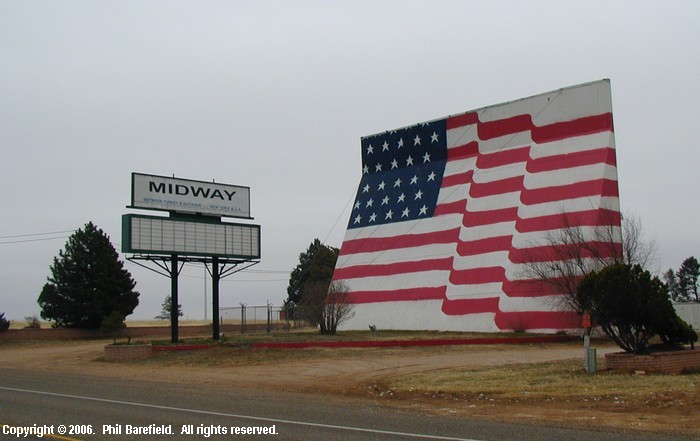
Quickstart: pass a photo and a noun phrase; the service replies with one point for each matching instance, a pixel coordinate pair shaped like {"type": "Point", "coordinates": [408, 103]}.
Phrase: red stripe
{"type": "Point", "coordinates": [506, 126]}
{"type": "Point", "coordinates": [463, 151]}
{"type": "Point", "coordinates": [456, 207]}
{"type": "Point", "coordinates": [470, 306]}
{"type": "Point", "coordinates": [578, 159]}
{"type": "Point", "coordinates": [508, 185]}
{"type": "Point", "coordinates": [462, 120]}
{"type": "Point", "coordinates": [535, 288]}
{"type": "Point", "coordinates": [477, 276]}
{"type": "Point", "coordinates": [477, 218]}
{"type": "Point", "coordinates": [458, 179]}
{"type": "Point", "coordinates": [398, 295]}
{"type": "Point", "coordinates": [390, 269]}
{"type": "Point", "coordinates": [537, 320]}
{"type": "Point", "coordinates": [596, 187]}
{"type": "Point", "coordinates": [373, 244]}
{"type": "Point", "coordinates": [575, 219]}
{"type": "Point", "coordinates": [499, 159]}
{"type": "Point", "coordinates": [548, 253]}
{"type": "Point", "coordinates": [398, 343]}
{"type": "Point", "coordinates": [568, 129]}
{"type": "Point", "coordinates": [482, 246]}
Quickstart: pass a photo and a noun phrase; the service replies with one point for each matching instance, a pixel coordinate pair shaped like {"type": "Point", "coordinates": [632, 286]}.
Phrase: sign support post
{"type": "Point", "coordinates": [215, 276]}
{"type": "Point", "coordinates": [174, 309]}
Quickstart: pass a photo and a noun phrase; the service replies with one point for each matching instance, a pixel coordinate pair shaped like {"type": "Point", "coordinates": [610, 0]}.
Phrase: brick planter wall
{"type": "Point", "coordinates": [127, 352]}
{"type": "Point", "coordinates": [674, 362]}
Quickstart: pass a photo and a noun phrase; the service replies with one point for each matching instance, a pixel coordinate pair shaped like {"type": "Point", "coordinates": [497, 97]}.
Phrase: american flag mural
{"type": "Point", "coordinates": [447, 210]}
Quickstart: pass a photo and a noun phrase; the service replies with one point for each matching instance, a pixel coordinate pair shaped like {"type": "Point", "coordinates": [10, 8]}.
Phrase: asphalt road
{"type": "Point", "coordinates": [96, 408]}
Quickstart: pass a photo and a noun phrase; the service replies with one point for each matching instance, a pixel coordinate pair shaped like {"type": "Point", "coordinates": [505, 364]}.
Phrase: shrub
{"type": "Point", "coordinates": [4, 324]}
{"type": "Point", "coordinates": [32, 322]}
{"type": "Point", "coordinates": [113, 324]}
{"type": "Point", "coordinates": [632, 307]}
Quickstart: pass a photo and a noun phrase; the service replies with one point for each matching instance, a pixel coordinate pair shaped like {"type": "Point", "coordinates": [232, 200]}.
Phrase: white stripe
{"type": "Point", "coordinates": [568, 206]}
{"type": "Point", "coordinates": [573, 145]}
{"type": "Point", "coordinates": [418, 226]}
{"type": "Point", "coordinates": [431, 251]}
{"type": "Point", "coordinates": [424, 279]}
{"type": "Point", "coordinates": [505, 143]}
{"type": "Point", "coordinates": [478, 291]}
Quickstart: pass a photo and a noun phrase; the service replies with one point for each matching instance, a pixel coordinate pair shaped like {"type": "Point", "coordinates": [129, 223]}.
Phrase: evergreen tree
{"type": "Point", "coordinates": [88, 282]}
{"type": "Point", "coordinates": [688, 279]}
{"type": "Point", "coordinates": [316, 264]}
{"type": "Point", "coordinates": [167, 307]}
{"type": "Point", "coordinates": [4, 323]}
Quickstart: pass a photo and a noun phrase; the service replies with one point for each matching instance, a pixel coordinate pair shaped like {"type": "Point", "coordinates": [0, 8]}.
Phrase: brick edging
{"type": "Point", "coordinates": [127, 352]}
{"type": "Point", "coordinates": [671, 362]}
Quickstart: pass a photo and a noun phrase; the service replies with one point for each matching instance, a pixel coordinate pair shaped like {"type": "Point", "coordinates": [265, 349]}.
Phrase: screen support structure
{"type": "Point", "coordinates": [170, 266]}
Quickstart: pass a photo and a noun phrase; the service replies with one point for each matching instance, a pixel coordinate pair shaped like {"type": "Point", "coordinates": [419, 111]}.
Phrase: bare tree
{"type": "Point", "coordinates": [636, 248]}
{"type": "Point", "coordinates": [559, 262]}
{"type": "Point", "coordinates": [326, 306]}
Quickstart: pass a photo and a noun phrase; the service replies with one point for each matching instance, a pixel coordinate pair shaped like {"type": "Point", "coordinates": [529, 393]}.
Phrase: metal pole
{"type": "Point", "coordinates": [173, 299]}
{"type": "Point", "coordinates": [215, 297]}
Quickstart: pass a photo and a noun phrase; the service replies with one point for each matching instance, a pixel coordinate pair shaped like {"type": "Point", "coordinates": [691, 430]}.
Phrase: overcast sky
{"type": "Point", "coordinates": [275, 96]}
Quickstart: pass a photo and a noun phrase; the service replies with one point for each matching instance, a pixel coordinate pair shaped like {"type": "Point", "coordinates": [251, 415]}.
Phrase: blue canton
{"type": "Point", "coordinates": [401, 175]}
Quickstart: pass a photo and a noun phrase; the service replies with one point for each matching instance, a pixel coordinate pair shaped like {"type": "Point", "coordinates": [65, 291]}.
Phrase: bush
{"type": "Point", "coordinates": [4, 324]}
{"type": "Point", "coordinates": [632, 307]}
{"type": "Point", "coordinates": [32, 322]}
{"type": "Point", "coordinates": [113, 324]}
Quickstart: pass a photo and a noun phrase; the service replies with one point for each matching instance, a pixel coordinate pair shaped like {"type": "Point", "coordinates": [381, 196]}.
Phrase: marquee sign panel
{"type": "Point", "coordinates": [153, 192]}
{"type": "Point", "coordinates": [166, 236]}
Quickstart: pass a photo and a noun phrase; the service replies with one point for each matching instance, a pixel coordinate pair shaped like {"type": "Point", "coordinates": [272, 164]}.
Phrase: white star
{"type": "Point", "coordinates": [431, 176]}
{"type": "Point", "coordinates": [365, 169]}
{"type": "Point", "coordinates": [373, 217]}
{"type": "Point", "coordinates": [419, 195]}
{"type": "Point", "coordinates": [358, 219]}
{"type": "Point", "coordinates": [400, 143]}
{"type": "Point", "coordinates": [381, 186]}
{"type": "Point", "coordinates": [385, 201]}
{"type": "Point", "coordinates": [370, 202]}
{"type": "Point", "coordinates": [370, 149]}
{"type": "Point", "coordinates": [402, 197]}
{"type": "Point", "coordinates": [365, 189]}
{"type": "Point", "coordinates": [409, 161]}
{"type": "Point", "coordinates": [426, 158]}
{"type": "Point", "coordinates": [397, 183]}
{"type": "Point", "coordinates": [416, 140]}
{"type": "Point", "coordinates": [394, 164]}
{"type": "Point", "coordinates": [414, 179]}
{"type": "Point", "coordinates": [389, 214]}
{"type": "Point", "coordinates": [423, 210]}
{"type": "Point", "coordinates": [434, 137]}
{"type": "Point", "coordinates": [378, 168]}
{"type": "Point", "coordinates": [404, 213]}
{"type": "Point", "coordinates": [385, 147]}
{"type": "Point", "coordinates": [357, 205]}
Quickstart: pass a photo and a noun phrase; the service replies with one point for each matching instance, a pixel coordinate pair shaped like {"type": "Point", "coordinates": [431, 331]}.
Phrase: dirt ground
{"type": "Point", "coordinates": [364, 373]}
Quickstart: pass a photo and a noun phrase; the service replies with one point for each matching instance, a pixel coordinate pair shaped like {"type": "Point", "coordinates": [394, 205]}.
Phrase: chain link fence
{"type": "Point", "coordinates": [259, 319]}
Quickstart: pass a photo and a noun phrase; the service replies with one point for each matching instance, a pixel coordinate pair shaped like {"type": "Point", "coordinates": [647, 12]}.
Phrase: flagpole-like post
{"type": "Point", "coordinates": [215, 276]}
{"type": "Point", "coordinates": [174, 310]}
